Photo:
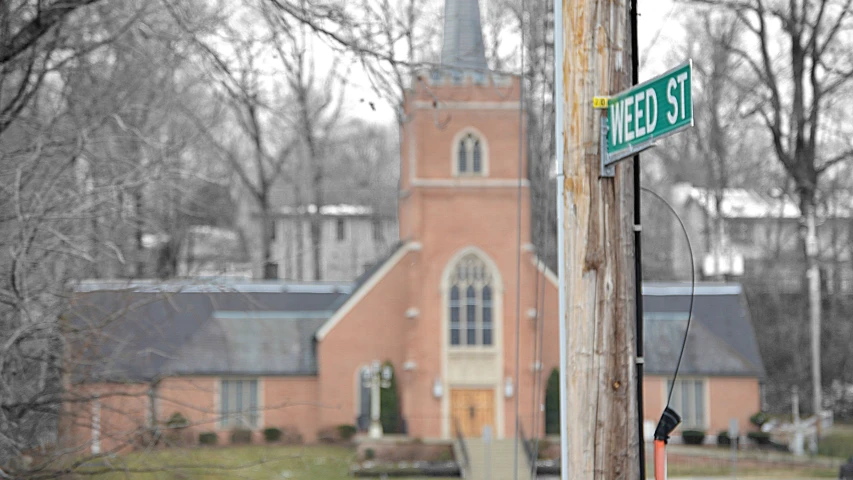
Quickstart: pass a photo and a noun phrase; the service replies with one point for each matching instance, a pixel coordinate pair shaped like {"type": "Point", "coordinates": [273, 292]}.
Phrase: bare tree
{"type": "Point", "coordinates": [315, 102]}
{"type": "Point", "coordinates": [85, 147]}
{"type": "Point", "coordinates": [796, 79]}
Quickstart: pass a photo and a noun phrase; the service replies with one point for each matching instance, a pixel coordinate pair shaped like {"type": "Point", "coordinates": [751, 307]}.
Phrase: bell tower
{"type": "Point", "coordinates": [462, 130]}
{"type": "Point", "coordinates": [461, 153]}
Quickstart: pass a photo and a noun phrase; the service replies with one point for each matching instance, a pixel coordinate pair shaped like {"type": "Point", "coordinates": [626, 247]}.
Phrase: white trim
{"type": "Point", "coordinates": [425, 105]}
{"type": "Point", "coordinates": [484, 154]}
{"type": "Point", "coordinates": [459, 255]}
{"type": "Point", "coordinates": [353, 300]}
{"type": "Point", "coordinates": [469, 181]}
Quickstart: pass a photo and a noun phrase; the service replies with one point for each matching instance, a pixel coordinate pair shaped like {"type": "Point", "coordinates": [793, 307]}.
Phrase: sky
{"type": "Point", "coordinates": [658, 28]}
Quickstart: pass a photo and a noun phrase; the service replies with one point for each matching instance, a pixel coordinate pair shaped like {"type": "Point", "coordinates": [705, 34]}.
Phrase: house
{"type": "Point", "coordinates": [721, 372]}
{"type": "Point", "coordinates": [448, 306]}
{"type": "Point", "coordinates": [254, 354]}
{"type": "Point", "coordinates": [756, 235]}
{"type": "Point", "coordinates": [352, 239]}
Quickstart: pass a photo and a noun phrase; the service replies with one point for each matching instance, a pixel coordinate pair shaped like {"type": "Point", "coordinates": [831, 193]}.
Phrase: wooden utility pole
{"type": "Point", "coordinates": [600, 432]}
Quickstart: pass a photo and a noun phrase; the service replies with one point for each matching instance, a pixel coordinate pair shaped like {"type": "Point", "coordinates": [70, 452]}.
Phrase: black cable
{"type": "Point", "coordinates": [638, 255]}
{"type": "Point", "coordinates": [692, 291]}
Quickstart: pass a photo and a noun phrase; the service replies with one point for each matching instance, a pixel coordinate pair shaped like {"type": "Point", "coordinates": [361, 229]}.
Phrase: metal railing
{"type": "Point", "coordinates": [464, 462]}
{"type": "Point", "coordinates": [528, 449]}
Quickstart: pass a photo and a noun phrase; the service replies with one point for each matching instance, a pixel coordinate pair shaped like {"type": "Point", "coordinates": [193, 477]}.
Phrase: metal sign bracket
{"type": "Point", "coordinates": [608, 161]}
{"type": "Point", "coordinates": [608, 168]}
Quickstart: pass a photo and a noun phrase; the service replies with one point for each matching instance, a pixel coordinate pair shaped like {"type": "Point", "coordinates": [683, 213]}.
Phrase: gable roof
{"type": "Point", "coordinates": [364, 284]}
{"type": "Point", "coordinates": [140, 331]}
{"type": "Point", "coordinates": [721, 340]}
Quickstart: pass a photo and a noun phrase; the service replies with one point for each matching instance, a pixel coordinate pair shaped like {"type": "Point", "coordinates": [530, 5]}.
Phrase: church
{"type": "Point", "coordinates": [461, 307]}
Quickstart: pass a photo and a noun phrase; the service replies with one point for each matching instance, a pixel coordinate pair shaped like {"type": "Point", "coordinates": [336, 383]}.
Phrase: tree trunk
{"type": "Point", "coordinates": [138, 232]}
{"type": "Point", "coordinates": [269, 269]}
{"type": "Point", "coordinates": [598, 260]}
{"type": "Point", "coordinates": [316, 243]}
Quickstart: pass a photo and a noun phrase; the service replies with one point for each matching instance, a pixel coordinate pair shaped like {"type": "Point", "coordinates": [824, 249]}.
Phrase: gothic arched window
{"type": "Point", "coordinates": [471, 299]}
{"type": "Point", "coordinates": [470, 155]}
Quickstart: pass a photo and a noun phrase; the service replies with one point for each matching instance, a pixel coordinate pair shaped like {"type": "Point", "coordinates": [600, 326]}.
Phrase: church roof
{"type": "Point", "coordinates": [145, 330]}
{"type": "Point", "coordinates": [721, 340]}
{"type": "Point", "coordinates": [462, 45]}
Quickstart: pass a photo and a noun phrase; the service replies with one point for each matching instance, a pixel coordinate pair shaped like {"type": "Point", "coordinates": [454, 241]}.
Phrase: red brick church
{"type": "Point", "coordinates": [446, 307]}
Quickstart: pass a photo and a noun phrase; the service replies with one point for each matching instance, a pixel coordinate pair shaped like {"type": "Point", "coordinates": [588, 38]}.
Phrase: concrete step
{"type": "Point", "coordinates": [495, 460]}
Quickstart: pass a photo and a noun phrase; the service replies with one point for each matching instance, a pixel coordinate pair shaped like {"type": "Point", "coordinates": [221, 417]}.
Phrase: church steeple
{"type": "Point", "coordinates": [462, 47]}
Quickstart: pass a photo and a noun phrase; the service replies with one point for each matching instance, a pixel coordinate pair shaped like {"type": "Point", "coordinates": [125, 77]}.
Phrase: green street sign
{"type": "Point", "coordinates": [636, 118]}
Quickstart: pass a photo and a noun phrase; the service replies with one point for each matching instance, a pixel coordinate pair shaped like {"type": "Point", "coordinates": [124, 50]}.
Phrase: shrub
{"type": "Point", "coordinates": [177, 420]}
{"type": "Point", "coordinates": [207, 438]}
{"type": "Point", "coordinates": [761, 438]}
{"type": "Point", "coordinates": [723, 438]}
{"type": "Point", "coordinates": [241, 435]}
{"type": "Point", "coordinates": [272, 434]}
{"type": "Point", "coordinates": [327, 435]}
{"type": "Point", "coordinates": [389, 404]}
{"type": "Point", "coordinates": [346, 432]}
{"type": "Point", "coordinates": [693, 437]}
{"type": "Point", "coordinates": [552, 403]}
{"type": "Point", "coordinates": [369, 454]}
{"type": "Point", "coordinates": [759, 419]}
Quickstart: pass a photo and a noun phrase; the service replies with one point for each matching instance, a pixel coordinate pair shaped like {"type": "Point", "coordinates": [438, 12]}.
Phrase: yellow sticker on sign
{"type": "Point", "coordinates": [599, 102]}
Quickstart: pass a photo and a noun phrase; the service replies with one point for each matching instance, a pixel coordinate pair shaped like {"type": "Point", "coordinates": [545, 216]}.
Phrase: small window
{"type": "Point", "coordinates": [470, 156]}
{"type": "Point", "coordinates": [340, 230]}
{"type": "Point", "coordinates": [688, 399]}
{"type": "Point", "coordinates": [239, 403]}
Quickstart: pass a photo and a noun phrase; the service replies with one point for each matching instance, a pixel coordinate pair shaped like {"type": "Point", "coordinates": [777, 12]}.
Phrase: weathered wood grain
{"type": "Point", "coordinates": [601, 415]}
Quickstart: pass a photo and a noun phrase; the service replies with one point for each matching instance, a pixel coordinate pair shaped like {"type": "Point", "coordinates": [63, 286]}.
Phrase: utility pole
{"type": "Point", "coordinates": [595, 215]}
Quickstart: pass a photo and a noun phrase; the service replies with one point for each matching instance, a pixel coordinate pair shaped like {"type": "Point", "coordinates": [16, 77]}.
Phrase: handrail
{"type": "Point", "coordinates": [528, 448]}
{"type": "Point", "coordinates": [464, 462]}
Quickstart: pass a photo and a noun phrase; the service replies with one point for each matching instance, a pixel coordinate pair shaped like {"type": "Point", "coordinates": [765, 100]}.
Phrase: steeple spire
{"type": "Point", "coordinates": [462, 47]}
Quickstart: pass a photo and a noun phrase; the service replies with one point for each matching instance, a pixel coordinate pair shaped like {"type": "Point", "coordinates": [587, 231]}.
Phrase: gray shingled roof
{"type": "Point", "coordinates": [143, 331]}
{"type": "Point", "coordinates": [251, 343]}
{"type": "Point", "coordinates": [721, 340]}
{"type": "Point", "coordinates": [462, 45]}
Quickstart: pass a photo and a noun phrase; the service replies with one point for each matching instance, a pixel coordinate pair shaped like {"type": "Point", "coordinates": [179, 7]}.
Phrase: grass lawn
{"type": "Point", "coordinates": [744, 472]}
{"type": "Point", "coordinates": [838, 442]}
{"type": "Point", "coordinates": [249, 462]}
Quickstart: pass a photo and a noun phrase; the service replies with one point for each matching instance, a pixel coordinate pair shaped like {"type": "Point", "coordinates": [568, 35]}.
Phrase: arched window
{"type": "Point", "coordinates": [470, 155]}
{"type": "Point", "coordinates": [471, 296]}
